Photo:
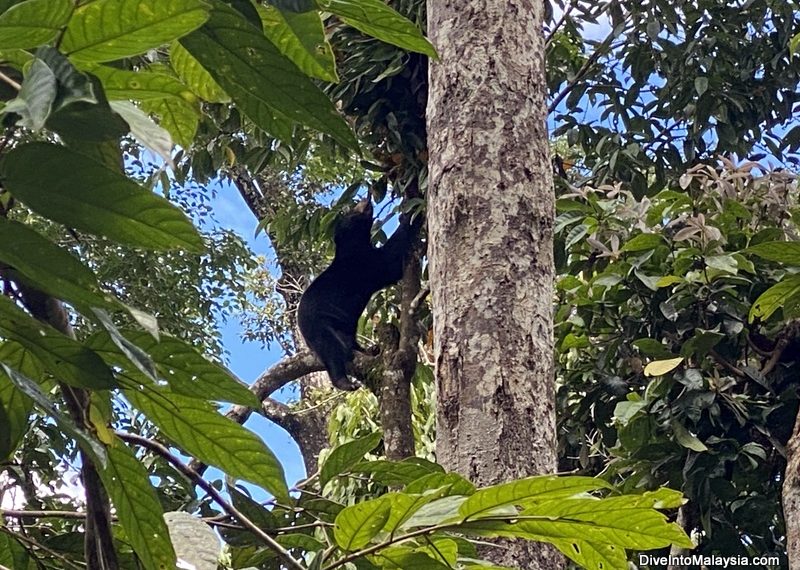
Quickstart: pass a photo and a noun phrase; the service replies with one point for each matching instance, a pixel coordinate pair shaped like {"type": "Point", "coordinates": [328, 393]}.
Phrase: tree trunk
{"type": "Point", "coordinates": [791, 496]}
{"type": "Point", "coordinates": [490, 229]}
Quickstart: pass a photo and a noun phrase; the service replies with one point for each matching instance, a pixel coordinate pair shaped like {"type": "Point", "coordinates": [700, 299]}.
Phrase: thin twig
{"type": "Point", "coordinates": [10, 81]}
{"type": "Point", "coordinates": [19, 514]}
{"type": "Point", "coordinates": [599, 50]}
{"type": "Point", "coordinates": [34, 544]}
{"type": "Point", "coordinates": [195, 478]}
{"type": "Point", "coordinates": [558, 24]}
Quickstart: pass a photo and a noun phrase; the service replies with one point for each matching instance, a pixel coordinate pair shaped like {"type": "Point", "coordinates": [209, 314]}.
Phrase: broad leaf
{"type": "Point", "coordinates": [775, 297]}
{"type": "Point", "coordinates": [397, 472]}
{"type": "Point", "coordinates": [197, 427]}
{"type": "Point", "coordinates": [63, 357]}
{"type": "Point", "coordinates": [79, 192]}
{"type": "Point", "coordinates": [177, 116]}
{"type": "Point", "coordinates": [32, 390]}
{"type": "Point", "coordinates": [180, 365]}
{"type": "Point", "coordinates": [347, 455]}
{"type": "Point", "coordinates": [356, 525]}
{"type": "Point", "coordinates": [787, 252]}
{"type": "Point", "coordinates": [137, 507]}
{"type": "Point", "coordinates": [51, 268]}
{"type": "Point", "coordinates": [139, 85]}
{"type": "Point", "coordinates": [145, 130]}
{"type": "Point", "coordinates": [195, 76]}
{"type": "Point", "coordinates": [263, 83]}
{"type": "Point", "coordinates": [35, 99]}
{"type": "Point", "coordinates": [17, 405]}
{"type": "Point", "coordinates": [106, 30]}
{"type": "Point", "coordinates": [661, 367]}
{"type": "Point", "coordinates": [301, 38]}
{"type": "Point", "coordinates": [375, 18]}
{"type": "Point", "coordinates": [539, 488]}
{"type": "Point", "coordinates": [32, 23]}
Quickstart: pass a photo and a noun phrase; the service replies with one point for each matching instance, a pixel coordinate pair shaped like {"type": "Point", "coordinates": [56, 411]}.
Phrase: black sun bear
{"type": "Point", "coordinates": [329, 309]}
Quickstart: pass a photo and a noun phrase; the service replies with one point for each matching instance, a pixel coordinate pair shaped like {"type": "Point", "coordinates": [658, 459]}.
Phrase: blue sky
{"type": "Point", "coordinates": [248, 359]}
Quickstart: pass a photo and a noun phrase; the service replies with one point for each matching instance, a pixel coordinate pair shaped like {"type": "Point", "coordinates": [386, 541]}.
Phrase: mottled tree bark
{"type": "Point", "coordinates": [791, 497]}
{"type": "Point", "coordinates": [490, 231]}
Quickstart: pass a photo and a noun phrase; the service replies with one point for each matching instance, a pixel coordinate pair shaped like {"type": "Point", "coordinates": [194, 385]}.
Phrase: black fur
{"type": "Point", "coordinates": [329, 309]}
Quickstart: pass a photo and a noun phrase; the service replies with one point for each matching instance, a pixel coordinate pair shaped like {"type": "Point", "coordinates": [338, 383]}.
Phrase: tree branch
{"type": "Point", "coordinates": [198, 480]}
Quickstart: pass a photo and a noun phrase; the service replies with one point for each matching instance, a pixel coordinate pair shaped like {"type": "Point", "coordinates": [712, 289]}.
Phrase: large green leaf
{"type": "Point", "coordinates": [139, 85]}
{"type": "Point", "coordinates": [35, 99]}
{"type": "Point", "coordinates": [32, 390]}
{"type": "Point", "coordinates": [32, 23]}
{"type": "Point", "coordinates": [195, 76]}
{"type": "Point", "coordinates": [106, 30]}
{"type": "Point", "coordinates": [63, 357]}
{"type": "Point", "coordinates": [50, 267]}
{"type": "Point", "coordinates": [347, 455]}
{"type": "Point", "coordinates": [775, 297]}
{"type": "Point", "coordinates": [406, 558]}
{"type": "Point", "coordinates": [539, 488]}
{"type": "Point", "coordinates": [264, 84]}
{"type": "Point", "coordinates": [397, 472]}
{"type": "Point", "coordinates": [180, 365]}
{"type": "Point", "coordinates": [375, 18]}
{"type": "Point", "coordinates": [301, 38]}
{"type": "Point", "coordinates": [356, 525]}
{"type": "Point", "coordinates": [781, 251]}
{"type": "Point", "coordinates": [593, 556]}
{"type": "Point", "coordinates": [179, 117]}
{"type": "Point", "coordinates": [79, 192]}
{"type": "Point", "coordinates": [628, 522]}
{"type": "Point", "coordinates": [197, 427]}
{"type": "Point", "coordinates": [16, 404]}
{"type": "Point", "coordinates": [138, 508]}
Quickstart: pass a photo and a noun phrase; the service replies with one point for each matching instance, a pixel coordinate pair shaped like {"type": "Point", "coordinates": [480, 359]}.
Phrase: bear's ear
{"type": "Point", "coordinates": [364, 207]}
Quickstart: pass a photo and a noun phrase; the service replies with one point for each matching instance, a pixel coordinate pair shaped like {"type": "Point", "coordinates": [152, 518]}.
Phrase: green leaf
{"type": "Point", "coordinates": [787, 252]}
{"type": "Point", "coordinates": [31, 389]}
{"type": "Point", "coordinates": [591, 555]}
{"type": "Point", "coordinates": [49, 267]}
{"type": "Point", "coordinates": [356, 525]}
{"type": "Point", "coordinates": [140, 85]}
{"type": "Point", "coordinates": [177, 116]}
{"type": "Point", "coordinates": [180, 365]}
{"type": "Point", "coordinates": [346, 455]}
{"type": "Point", "coordinates": [376, 19]}
{"type": "Point", "coordinates": [36, 96]}
{"type": "Point", "coordinates": [137, 507]}
{"type": "Point", "coordinates": [774, 298]}
{"type": "Point", "coordinates": [397, 472]}
{"type": "Point", "coordinates": [106, 30]}
{"type": "Point", "coordinates": [539, 488]}
{"type": "Point", "coordinates": [301, 38]}
{"type": "Point", "coordinates": [700, 85]}
{"type": "Point", "coordinates": [685, 438]}
{"type": "Point", "coordinates": [33, 23]}
{"type": "Point", "coordinates": [195, 76]}
{"type": "Point", "coordinates": [794, 44]}
{"type": "Point", "coordinates": [643, 242]}
{"type": "Point", "coordinates": [63, 357]}
{"type": "Point", "coordinates": [17, 405]}
{"type": "Point", "coordinates": [82, 193]}
{"type": "Point", "coordinates": [406, 558]}
{"type": "Point", "coordinates": [653, 348]}
{"type": "Point", "coordinates": [293, 5]}
{"type": "Point", "coordinates": [197, 427]}
{"type": "Point", "coordinates": [266, 86]}
{"type": "Point", "coordinates": [617, 521]}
